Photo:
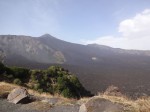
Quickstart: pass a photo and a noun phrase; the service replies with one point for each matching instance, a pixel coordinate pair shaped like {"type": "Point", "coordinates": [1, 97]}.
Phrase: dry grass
{"type": "Point", "coordinates": [83, 100]}
{"type": "Point", "coordinates": [7, 88]}
{"type": "Point", "coordinates": [117, 99]}
{"type": "Point", "coordinates": [143, 105]}
{"type": "Point", "coordinates": [139, 105]}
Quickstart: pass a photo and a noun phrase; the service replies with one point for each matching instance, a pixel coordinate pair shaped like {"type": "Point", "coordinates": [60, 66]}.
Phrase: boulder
{"type": "Point", "coordinates": [18, 95]}
{"type": "Point", "coordinates": [100, 105]}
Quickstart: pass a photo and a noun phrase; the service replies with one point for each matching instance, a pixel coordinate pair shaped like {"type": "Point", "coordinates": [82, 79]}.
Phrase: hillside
{"type": "Point", "coordinates": [57, 90]}
{"type": "Point", "coordinates": [127, 69]}
{"type": "Point", "coordinates": [54, 80]}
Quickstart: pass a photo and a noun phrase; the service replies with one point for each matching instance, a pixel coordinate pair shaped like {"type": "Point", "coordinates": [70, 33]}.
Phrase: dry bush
{"type": "Point", "coordinates": [113, 91]}
{"type": "Point", "coordinates": [143, 104]}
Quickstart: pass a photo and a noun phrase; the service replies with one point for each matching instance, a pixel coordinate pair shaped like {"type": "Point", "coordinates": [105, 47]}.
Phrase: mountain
{"type": "Point", "coordinates": [28, 48]}
{"type": "Point", "coordinates": [97, 66]}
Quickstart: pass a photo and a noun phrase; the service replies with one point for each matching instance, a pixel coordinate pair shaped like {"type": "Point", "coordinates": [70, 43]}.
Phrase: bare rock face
{"type": "Point", "coordinates": [100, 105]}
{"type": "Point", "coordinates": [18, 95]}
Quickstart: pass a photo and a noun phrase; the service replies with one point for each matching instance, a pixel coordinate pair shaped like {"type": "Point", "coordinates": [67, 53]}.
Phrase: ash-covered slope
{"type": "Point", "coordinates": [96, 66]}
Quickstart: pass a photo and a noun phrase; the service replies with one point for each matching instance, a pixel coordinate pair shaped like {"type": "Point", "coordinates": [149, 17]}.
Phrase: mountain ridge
{"type": "Point", "coordinates": [107, 66]}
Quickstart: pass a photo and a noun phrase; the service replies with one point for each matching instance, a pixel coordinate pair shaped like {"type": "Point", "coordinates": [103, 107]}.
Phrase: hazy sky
{"type": "Point", "coordinates": [116, 23]}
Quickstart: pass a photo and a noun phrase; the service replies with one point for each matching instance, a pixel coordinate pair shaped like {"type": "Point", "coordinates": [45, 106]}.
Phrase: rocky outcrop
{"type": "Point", "coordinates": [96, 104]}
{"type": "Point", "coordinates": [18, 95]}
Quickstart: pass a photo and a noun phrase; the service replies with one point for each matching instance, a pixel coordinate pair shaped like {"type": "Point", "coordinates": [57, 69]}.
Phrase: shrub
{"type": "Point", "coordinates": [67, 93]}
{"type": "Point", "coordinates": [62, 80]}
{"type": "Point", "coordinates": [52, 71]}
{"type": "Point", "coordinates": [37, 86]}
{"type": "Point", "coordinates": [45, 77]}
{"type": "Point", "coordinates": [53, 80]}
{"type": "Point", "coordinates": [50, 89]}
{"type": "Point", "coordinates": [74, 80]}
{"type": "Point", "coordinates": [40, 90]}
{"type": "Point", "coordinates": [17, 81]}
{"type": "Point", "coordinates": [20, 73]}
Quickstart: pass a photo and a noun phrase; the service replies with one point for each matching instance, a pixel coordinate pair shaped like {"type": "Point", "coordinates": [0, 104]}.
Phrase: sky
{"type": "Point", "coordinates": [116, 23]}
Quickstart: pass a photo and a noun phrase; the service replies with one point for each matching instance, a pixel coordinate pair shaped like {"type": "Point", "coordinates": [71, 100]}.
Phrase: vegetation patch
{"type": "Point", "coordinates": [54, 80]}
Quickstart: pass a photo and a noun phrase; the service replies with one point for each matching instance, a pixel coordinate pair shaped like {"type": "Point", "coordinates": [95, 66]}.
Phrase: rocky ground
{"type": "Point", "coordinates": [5, 106]}
{"type": "Point", "coordinates": [99, 105]}
{"type": "Point", "coordinates": [105, 102]}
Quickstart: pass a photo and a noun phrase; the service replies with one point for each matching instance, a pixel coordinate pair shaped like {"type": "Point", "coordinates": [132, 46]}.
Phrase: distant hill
{"type": "Point", "coordinates": [97, 66]}
{"type": "Point", "coordinates": [29, 48]}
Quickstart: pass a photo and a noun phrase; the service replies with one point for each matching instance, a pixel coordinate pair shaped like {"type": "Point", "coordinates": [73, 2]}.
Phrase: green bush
{"type": "Point", "coordinates": [74, 80]}
{"type": "Point", "coordinates": [50, 89]}
{"type": "Point", "coordinates": [37, 86]}
{"type": "Point", "coordinates": [19, 72]}
{"type": "Point", "coordinates": [53, 80]}
{"type": "Point", "coordinates": [52, 71]}
{"type": "Point", "coordinates": [67, 93]}
{"type": "Point", "coordinates": [40, 90]}
{"type": "Point", "coordinates": [17, 81]}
